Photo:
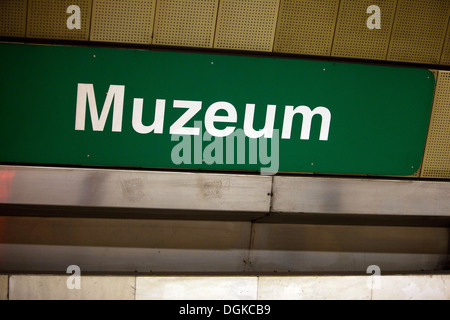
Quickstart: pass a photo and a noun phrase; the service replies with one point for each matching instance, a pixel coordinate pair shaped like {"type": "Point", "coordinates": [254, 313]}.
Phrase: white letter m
{"type": "Point", "coordinates": [98, 123]}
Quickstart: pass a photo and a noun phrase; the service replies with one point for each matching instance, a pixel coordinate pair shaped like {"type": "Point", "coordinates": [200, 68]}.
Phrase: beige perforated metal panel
{"type": "Point", "coordinates": [246, 24]}
{"type": "Point", "coordinates": [48, 19]}
{"type": "Point", "coordinates": [354, 39]}
{"type": "Point", "coordinates": [306, 26]}
{"type": "Point", "coordinates": [436, 163]}
{"type": "Point", "coordinates": [128, 21]}
{"type": "Point", "coordinates": [417, 174]}
{"type": "Point", "coordinates": [13, 18]}
{"type": "Point", "coordinates": [419, 31]}
{"type": "Point", "coordinates": [188, 23]}
{"type": "Point", "coordinates": [445, 58]}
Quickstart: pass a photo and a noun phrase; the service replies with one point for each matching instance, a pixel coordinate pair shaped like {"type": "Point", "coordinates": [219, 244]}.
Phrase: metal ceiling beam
{"type": "Point", "coordinates": [253, 196]}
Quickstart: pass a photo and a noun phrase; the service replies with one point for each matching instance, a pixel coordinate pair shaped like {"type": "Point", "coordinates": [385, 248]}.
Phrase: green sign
{"type": "Point", "coordinates": [65, 105]}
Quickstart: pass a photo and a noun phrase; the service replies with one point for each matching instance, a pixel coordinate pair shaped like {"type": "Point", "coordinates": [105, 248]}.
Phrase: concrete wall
{"type": "Point", "coordinates": [371, 287]}
{"type": "Point", "coordinates": [3, 287]}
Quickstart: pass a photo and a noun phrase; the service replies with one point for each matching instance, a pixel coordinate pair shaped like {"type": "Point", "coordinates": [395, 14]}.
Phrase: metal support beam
{"type": "Point", "coordinates": [148, 192]}
{"type": "Point", "coordinates": [361, 196]}
{"type": "Point", "coordinates": [218, 196]}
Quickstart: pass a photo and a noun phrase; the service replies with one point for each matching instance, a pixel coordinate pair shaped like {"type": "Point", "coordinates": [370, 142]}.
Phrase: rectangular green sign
{"type": "Point", "coordinates": [90, 106]}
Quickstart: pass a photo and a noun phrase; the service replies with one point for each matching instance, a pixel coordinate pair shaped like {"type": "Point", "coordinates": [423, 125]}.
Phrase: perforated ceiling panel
{"type": "Point", "coordinates": [246, 24]}
{"type": "Point", "coordinates": [13, 18]}
{"type": "Point", "coordinates": [354, 39]}
{"type": "Point", "coordinates": [185, 22]}
{"type": "Point", "coordinates": [436, 163]}
{"type": "Point", "coordinates": [128, 21]}
{"type": "Point", "coordinates": [419, 31]}
{"type": "Point", "coordinates": [48, 19]}
{"type": "Point", "coordinates": [445, 58]}
{"type": "Point", "coordinates": [306, 26]}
